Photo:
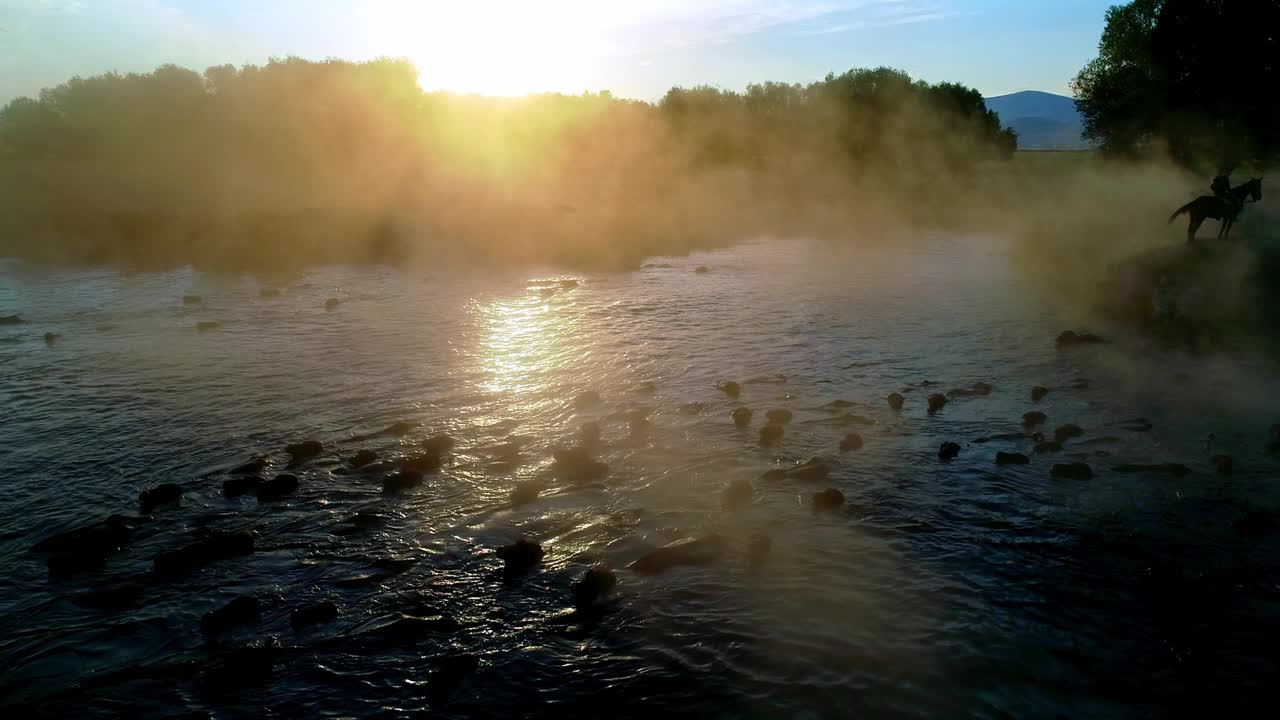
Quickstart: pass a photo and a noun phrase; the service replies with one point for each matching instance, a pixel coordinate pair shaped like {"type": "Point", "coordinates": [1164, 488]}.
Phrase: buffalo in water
{"type": "Point", "coordinates": [313, 614]}
{"type": "Point", "coordinates": [1007, 458]}
{"type": "Point", "coordinates": [811, 471]}
{"type": "Point", "coordinates": [1175, 469]}
{"type": "Point", "coordinates": [398, 429]}
{"type": "Point", "coordinates": [253, 466]}
{"type": "Point", "coordinates": [439, 444]}
{"type": "Point", "coordinates": [978, 389]}
{"type": "Point", "coordinates": [1067, 432]}
{"type": "Point", "coordinates": [737, 494]}
{"type": "Point", "coordinates": [152, 498]}
{"type": "Point", "coordinates": [216, 546]}
{"type": "Point", "coordinates": [239, 485]}
{"type": "Point", "coordinates": [771, 435]}
{"type": "Point", "coordinates": [115, 531]}
{"type": "Point", "coordinates": [780, 416]}
{"type": "Point", "coordinates": [404, 479]}
{"type": "Point", "coordinates": [277, 487]}
{"type": "Point", "coordinates": [576, 466]}
{"type": "Point", "coordinates": [305, 449]}
{"type": "Point", "coordinates": [587, 399]}
{"type": "Point", "coordinates": [827, 501]}
{"type": "Point", "coordinates": [240, 611]}
{"type": "Point", "coordinates": [851, 441]}
{"type": "Point", "coordinates": [526, 492]}
{"type": "Point", "coordinates": [362, 458]}
{"type": "Point", "coordinates": [86, 549]}
{"type": "Point", "coordinates": [1071, 471]}
{"type": "Point", "coordinates": [520, 557]}
{"type": "Point", "coordinates": [1071, 338]}
{"type": "Point", "coordinates": [690, 551]}
{"type": "Point", "coordinates": [595, 584]}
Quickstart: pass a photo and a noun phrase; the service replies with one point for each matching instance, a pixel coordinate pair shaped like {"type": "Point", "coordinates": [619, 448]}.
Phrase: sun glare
{"type": "Point", "coordinates": [493, 48]}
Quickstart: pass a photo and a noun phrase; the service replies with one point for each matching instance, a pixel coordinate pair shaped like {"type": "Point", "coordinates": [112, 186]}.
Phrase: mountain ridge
{"type": "Point", "coordinates": [1043, 120]}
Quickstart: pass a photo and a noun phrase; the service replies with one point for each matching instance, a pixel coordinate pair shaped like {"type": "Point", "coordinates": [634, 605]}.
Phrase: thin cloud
{"type": "Point", "coordinates": [882, 22]}
{"type": "Point", "coordinates": [42, 7]}
{"type": "Point", "coordinates": [726, 21]}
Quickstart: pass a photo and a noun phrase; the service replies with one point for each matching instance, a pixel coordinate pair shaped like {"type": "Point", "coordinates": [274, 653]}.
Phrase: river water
{"type": "Point", "coordinates": [959, 589]}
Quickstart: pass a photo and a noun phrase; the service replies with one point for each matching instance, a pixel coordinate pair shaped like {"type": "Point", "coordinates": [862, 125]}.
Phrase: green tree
{"type": "Point", "coordinates": [1197, 75]}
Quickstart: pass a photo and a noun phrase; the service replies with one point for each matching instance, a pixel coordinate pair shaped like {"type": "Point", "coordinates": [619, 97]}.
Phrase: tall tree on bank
{"type": "Point", "coordinates": [1197, 75]}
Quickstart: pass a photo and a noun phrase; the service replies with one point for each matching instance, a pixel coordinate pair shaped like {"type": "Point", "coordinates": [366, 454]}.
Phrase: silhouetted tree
{"type": "Point", "coordinates": [877, 118]}
{"type": "Point", "coordinates": [1199, 75]}
{"type": "Point", "coordinates": [300, 160]}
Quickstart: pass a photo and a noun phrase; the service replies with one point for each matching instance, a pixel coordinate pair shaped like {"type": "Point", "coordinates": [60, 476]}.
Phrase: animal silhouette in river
{"type": "Point", "coordinates": [1224, 208]}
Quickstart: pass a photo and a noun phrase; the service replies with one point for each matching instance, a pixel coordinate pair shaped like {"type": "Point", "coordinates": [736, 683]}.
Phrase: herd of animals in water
{"type": "Point", "coordinates": [275, 477]}
{"type": "Point", "coordinates": [51, 338]}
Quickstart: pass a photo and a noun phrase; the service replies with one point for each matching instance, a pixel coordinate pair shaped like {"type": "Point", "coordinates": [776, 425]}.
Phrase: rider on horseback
{"type": "Point", "coordinates": [1221, 187]}
{"type": "Point", "coordinates": [1224, 206]}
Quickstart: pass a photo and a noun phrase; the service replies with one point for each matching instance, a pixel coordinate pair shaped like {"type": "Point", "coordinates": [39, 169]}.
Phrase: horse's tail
{"type": "Point", "coordinates": [1181, 210]}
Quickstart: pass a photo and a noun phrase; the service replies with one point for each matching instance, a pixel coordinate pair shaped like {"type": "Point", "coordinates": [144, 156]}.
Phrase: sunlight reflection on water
{"type": "Point", "coordinates": [520, 348]}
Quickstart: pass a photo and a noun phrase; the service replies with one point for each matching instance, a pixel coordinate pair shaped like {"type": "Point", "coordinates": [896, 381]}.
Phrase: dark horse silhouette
{"type": "Point", "coordinates": [1224, 209]}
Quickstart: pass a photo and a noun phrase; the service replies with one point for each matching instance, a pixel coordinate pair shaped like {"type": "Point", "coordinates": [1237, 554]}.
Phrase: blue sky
{"type": "Point", "coordinates": [636, 48]}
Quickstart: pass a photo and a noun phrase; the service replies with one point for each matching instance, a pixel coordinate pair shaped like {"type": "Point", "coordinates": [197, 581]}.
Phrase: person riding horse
{"type": "Point", "coordinates": [1225, 204]}
{"type": "Point", "coordinates": [1221, 188]}
{"type": "Point", "coordinates": [1221, 185]}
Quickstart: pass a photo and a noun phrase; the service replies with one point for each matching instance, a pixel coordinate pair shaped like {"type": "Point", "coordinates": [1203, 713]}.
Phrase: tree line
{"type": "Point", "coordinates": [301, 160]}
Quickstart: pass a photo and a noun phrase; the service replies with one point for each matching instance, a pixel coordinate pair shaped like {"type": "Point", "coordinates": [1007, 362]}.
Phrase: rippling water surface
{"type": "Point", "coordinates": [940, 589]}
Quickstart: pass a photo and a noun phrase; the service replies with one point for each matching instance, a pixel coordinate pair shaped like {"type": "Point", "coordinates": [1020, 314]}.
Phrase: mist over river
{"type": "Point", "coordinates": [939, 589]}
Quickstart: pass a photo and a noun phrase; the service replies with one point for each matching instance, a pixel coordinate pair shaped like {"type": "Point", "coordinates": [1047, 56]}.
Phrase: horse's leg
{"type": "Point", "coordinates": [1192, 226]}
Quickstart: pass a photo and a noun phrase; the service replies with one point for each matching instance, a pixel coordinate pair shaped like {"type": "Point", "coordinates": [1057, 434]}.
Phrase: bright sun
{"type": "Point", "coordinates": [495, 48]}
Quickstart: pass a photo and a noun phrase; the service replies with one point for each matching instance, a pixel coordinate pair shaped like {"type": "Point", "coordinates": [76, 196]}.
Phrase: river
{"type": "Point", "coordinates": [957, 589]}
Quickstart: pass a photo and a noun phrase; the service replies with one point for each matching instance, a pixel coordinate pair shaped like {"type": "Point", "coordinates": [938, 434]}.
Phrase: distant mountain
{"type": "Point", "coordinates": [1043, 121]}
{"type": "Point", "coordinates": [1033, 103]}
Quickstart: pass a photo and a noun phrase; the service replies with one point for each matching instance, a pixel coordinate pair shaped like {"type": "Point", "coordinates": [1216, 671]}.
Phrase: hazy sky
{"type": "Point", "coordinates": [636, 48]}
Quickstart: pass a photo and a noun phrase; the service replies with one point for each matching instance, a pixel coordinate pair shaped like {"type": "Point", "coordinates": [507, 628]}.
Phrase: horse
{"type": "Point", "coordinates": [1223, 209]}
